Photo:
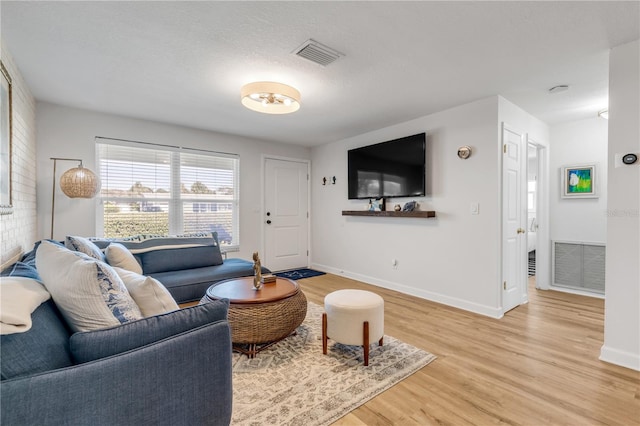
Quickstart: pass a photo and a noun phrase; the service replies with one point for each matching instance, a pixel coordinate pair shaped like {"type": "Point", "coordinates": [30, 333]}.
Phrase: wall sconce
{"type": "Point", "coordinates": [77, 182]}
{"type": "Point", "coordinates": [464, 152]}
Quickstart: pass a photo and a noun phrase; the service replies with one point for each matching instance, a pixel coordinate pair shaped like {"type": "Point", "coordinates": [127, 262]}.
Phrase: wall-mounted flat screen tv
{"type": "Point", "coordinates": [389, 169]}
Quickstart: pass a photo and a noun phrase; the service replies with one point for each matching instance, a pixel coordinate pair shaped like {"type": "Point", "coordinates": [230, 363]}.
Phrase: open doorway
{"type": "Point", "coordinates": [533, 189]}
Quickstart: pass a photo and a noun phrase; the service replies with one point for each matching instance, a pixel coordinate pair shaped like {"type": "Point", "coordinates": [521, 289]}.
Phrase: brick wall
{"type": "Point", "coordinates": [18, 230]}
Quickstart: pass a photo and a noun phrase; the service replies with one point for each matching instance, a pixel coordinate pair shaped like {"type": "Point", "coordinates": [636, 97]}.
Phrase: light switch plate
{"type": "Point", "coordinates": [475, 208]}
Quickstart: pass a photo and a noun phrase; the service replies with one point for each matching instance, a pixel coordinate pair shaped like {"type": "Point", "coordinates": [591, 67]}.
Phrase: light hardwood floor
{"type": "Point", "coordinates": [537, 365]}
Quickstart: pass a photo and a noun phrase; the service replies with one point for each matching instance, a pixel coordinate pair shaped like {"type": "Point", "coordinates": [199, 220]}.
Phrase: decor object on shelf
{"type": "Point", "coordinates": [377, 205]}
{"type": "Point", "coordinates": [397, 208]}
{"type": "Point", "coordinates": [324, 181]}
{"type": "Point", "coordinates": [579, 181]}
{"type": "Point", "coordinates": [78, 182]}
{"type": "Point", "coordinates": [270, 97]}
{"type": "Point", "coordinates": [464, 152]}
{"type": "Point", "coordinates": [257, 272]}
{"type": "Point", "coordinates": [6, 202]}
{"type": "Point", "coordinates": [410, 206]}
{"type": "Point", "coordinates": [333, 180]}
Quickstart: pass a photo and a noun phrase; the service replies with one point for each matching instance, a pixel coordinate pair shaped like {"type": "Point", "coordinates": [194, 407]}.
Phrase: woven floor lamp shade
{"type": "Point", "coordinates": [79, 183]}
{"type": "Point", "coordinates": [75, 183]}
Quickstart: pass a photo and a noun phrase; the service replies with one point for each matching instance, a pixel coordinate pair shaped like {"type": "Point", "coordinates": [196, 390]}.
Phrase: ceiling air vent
{"type": "Point", "coordinates": [317, 52]}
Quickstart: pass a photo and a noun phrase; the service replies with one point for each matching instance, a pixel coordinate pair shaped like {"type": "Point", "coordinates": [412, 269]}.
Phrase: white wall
{"type": "Point", "coordinates": [69, 133]}
{"type": "Point", "coordinates": [452, 259]}
{"type": "Point", "coordinates": [622, 293]}
{"type": "Point", "coordinates": [18, 230]}
{"type": "Point", "coordinates": [573, 143]}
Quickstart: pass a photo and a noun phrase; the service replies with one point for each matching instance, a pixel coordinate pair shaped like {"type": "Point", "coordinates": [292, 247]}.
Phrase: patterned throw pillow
{"type": "Point", "coordinates": [85, 246]}
{"type": "Point", "coordinates": [149, 294]}
{"type": "Point", "coordinates": [119, 256]}
{"type": "Point", "coordinates": [88, 292]}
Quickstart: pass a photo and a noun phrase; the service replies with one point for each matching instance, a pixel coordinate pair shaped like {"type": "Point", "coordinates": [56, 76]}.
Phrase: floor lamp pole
{"type": "Point", "coordinates": [53, 188]}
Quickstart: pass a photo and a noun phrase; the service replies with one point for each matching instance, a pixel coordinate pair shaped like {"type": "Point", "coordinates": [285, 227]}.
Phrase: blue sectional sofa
{"type": "Point", "coordinates": [171, 369]}
{"type": "Point", "coordinates": [189, 267]}
{"type": "Point", "coordinates": [168, 369]}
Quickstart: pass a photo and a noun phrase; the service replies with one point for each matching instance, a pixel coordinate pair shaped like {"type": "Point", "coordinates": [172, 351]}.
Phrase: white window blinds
{"type": "Point", "coordinates": [155, 189]}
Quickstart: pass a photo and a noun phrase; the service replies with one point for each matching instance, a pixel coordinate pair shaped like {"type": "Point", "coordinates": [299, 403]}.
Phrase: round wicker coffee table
{"type": "Point", "coordinates": [260, 318]}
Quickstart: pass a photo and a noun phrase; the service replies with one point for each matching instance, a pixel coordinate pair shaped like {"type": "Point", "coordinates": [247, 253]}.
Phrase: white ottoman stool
{"type": "Point", "coordinates": [353, 317]}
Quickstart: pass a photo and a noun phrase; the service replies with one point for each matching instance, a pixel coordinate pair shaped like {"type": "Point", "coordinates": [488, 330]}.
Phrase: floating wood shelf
{"type": "Point", "coordinates": [418, 213]}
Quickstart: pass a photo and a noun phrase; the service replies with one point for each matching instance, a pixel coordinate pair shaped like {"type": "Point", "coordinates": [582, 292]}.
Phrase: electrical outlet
{"type": "Point", "coordinates": [394, 263]}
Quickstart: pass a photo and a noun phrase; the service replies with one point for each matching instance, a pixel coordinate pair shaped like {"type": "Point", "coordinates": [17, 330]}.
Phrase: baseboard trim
{"type": "Point", "coordinates": [423, 294]}
{"type": "Point", "coordinates": [621, 358]}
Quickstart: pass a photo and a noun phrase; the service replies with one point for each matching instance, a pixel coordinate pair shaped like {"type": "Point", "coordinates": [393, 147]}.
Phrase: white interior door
{"type": "Point", "coordinates": [286, 201]}
{"type": "Point", "coordinates": [514, 250]}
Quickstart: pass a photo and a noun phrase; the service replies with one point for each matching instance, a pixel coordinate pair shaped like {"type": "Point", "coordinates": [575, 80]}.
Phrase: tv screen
{"type": "Point", "coordinates": [389, 169]}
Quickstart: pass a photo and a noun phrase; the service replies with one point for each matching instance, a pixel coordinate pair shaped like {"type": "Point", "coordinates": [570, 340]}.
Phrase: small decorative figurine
{"type": "Point", "coordinates": [257, 272]}
{"type": "Point", "coordinates": [397, 207]}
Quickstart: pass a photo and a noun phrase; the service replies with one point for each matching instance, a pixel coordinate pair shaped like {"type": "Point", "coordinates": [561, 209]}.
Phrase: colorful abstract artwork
{"type": "Point", "coordinates": [579, 182]}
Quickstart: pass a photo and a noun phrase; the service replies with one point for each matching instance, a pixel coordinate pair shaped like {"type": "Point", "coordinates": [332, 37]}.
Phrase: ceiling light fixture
{"type": "Point", "coordinates": [604, 114]}
{"type": "Point", "coordinates": [270, 97]}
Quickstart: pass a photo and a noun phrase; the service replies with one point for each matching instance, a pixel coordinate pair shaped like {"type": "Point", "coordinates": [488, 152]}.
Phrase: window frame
{"type": "Point", "coordinates": [176, 201]}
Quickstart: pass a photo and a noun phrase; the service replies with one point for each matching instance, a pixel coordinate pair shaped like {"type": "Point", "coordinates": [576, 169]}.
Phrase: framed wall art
{"type": "Point", "coordinates": [579, 181]}
{"type": "Point", "coordinates": [6, 202]}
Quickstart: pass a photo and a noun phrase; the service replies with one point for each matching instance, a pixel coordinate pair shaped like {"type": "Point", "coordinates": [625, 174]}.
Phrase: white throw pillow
{"type": "Point", "coordinates": [88, 292]}
{"type": "Point", "coordinates": [150, 295]}
{"type": "Point", "coordinates": [120, 256]}
{"type": "Point", "coordinates": [83, 245]}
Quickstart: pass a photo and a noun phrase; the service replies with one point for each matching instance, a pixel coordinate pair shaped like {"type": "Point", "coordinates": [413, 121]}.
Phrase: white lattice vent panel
{"type": "Point", "coordinates": [579, 266]}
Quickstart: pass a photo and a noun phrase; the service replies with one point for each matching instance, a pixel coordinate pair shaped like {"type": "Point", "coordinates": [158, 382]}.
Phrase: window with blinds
{"type": "Point", "coordinates": [156, 189]}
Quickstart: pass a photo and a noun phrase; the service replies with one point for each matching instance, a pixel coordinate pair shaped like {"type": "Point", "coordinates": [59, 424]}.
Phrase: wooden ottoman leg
{"type": "Point", "coordinates": [365, 342]}
{"type": "Point", "coordinates": [324, 333]}
{"type": "Point", "coordinates": [380, 342]}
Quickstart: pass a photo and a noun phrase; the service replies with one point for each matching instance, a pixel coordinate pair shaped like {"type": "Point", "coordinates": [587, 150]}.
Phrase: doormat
{"type": "Point", "coordinates": [298, 274]}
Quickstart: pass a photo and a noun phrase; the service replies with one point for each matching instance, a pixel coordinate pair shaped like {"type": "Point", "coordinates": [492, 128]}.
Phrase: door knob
{"type": "Point", "coordinates": [268, 222]}
{"type": "Point", "coordinates": [521, 231]}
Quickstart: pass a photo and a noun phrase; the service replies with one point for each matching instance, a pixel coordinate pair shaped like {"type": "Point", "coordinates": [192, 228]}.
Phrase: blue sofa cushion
{"type": "Point", "coordinates": [191, 284]}
{"type": "Point", "coordinates": [44, 347]}
{"type": "Point", "coordinates": [162, 254]}
{"type": "Point", "coordinates": [91, 345]}
{"type": "Point", "coordinates": [179, 259]}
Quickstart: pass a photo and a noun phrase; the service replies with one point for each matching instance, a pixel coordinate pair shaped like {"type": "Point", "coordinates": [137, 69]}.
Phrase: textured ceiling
{"type": "Point", "coordinates": [184, 62]}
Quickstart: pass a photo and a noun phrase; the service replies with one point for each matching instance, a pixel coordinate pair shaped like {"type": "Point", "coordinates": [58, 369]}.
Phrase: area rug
{"type": "Point", "coordinates": [298, 274]}
{"type": "Point", "coordinates": [293, 383]}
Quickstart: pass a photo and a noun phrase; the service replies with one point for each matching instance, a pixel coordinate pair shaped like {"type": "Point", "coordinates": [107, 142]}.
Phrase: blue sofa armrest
{"type": "Point", "coordinates": [184, 379]}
